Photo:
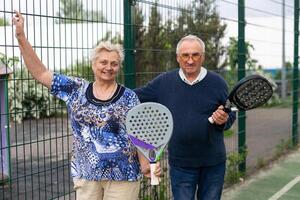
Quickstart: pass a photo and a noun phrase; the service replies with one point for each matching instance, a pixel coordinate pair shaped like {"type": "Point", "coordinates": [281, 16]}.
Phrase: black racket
{"type": "Point", "coordinates": [249, 93]}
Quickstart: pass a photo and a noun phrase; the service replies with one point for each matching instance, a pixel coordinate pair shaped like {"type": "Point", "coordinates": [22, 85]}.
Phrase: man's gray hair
{"type": "Point", "coordinates": [190, 38]}
{"type": "Point", "coordinates": [107, 46]}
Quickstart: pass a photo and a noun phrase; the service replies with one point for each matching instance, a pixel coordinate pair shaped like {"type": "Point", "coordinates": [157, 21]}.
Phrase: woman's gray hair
{"type": "Point", "coordinates": [107, 46]}
{"type": "Point", "coordinates": [190, 38]}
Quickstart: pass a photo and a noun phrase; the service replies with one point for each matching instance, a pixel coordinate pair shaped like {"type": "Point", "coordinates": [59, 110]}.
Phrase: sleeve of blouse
{"type": "Point", "coordinates": [63, 86]}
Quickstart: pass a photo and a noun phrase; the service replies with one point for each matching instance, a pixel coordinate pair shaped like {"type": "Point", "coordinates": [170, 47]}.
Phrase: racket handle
{"type": "Point", "coordinates": [211, 120]}
{"type": "Point", "coordinates": [154, 179]}
{"type": "Point", "coordinates": [229, 109]}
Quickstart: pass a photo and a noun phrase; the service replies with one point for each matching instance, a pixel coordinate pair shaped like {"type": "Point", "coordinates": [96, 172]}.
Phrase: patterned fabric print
{"type": "Point", "coordinates": [101, 148]}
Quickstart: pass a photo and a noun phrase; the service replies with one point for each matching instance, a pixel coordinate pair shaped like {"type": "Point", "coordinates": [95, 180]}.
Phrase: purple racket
{"type": "Point", "coordinates": [149, 126]}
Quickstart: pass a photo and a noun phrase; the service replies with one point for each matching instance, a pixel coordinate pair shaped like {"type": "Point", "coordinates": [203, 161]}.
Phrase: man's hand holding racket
{"type": "Point", "coordinates": [220, 116]}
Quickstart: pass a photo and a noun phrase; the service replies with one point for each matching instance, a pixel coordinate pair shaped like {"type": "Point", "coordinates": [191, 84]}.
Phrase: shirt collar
{"type": "Point", "coordinates": [200, 76]}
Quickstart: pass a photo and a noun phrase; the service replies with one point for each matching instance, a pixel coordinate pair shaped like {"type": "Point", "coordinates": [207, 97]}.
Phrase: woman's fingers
{"type": "Point", "coordinates": [157, 171]}
{"type": "Point", "coordinates": [18, 21]}
{"type": "Point", "coordinates": [17, 16]}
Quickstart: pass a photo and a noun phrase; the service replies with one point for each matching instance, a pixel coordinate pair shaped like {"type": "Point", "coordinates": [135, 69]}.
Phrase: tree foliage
{"type": "Point", "coordinates": [82, 69]}
{"type": "Point", "coordinates": [203, 20]}
{"type": "Point", "coordinates": [8, 61]}
{"type": "Point", "coordinates": [3, 22]}
{"type": "Point", "coordinates": [71, 11]}
{"type": "Point", "coordinates": [251, 64]}
{"type": "Point", "coordinates": [156, 41]}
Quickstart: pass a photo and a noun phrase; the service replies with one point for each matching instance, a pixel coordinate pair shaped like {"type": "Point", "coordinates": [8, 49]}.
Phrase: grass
{"type": "Point", "coordinates": [228, 133]}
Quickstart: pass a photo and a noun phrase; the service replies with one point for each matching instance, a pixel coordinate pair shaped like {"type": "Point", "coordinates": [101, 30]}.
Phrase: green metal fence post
{"type": "Point", "coordinates": [241, 74]}
{"type": "Point", "coordinates": [5, 165]}
{"type": "Point", "coordinates": [295, 75]}
{"type": "Point", "coordinates": [129, 43]}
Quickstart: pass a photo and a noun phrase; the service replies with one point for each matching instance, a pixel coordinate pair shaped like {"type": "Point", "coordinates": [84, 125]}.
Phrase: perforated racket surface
{"type": "Point", "coordinates": [149, 126]}
{"type": "Point", "coordinates": [250, 92]}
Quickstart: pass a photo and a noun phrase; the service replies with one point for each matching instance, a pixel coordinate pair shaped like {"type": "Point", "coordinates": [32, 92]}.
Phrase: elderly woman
{"type": "Point", "coordinates": [104, 165]}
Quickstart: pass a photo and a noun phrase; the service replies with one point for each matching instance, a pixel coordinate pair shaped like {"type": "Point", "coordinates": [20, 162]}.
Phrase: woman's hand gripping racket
{"type": "Point", "coordinates": [150, 126]}
{"type": "Point", "coordinates": [249, 93]}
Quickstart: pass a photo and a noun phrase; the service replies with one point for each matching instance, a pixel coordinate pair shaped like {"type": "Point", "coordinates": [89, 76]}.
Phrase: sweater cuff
{"type": "Point", "coordinates": [220, 127]}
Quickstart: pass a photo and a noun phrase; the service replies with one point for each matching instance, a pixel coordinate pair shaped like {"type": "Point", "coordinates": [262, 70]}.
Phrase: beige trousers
{"type": "Point", "coordinates": [106, 190]}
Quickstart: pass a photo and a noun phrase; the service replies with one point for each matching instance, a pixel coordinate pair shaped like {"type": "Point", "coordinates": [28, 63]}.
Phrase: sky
{"type": "Point", "coordinates": [255, 8]}
{"type": "Point", "coordinates": [263, 29]}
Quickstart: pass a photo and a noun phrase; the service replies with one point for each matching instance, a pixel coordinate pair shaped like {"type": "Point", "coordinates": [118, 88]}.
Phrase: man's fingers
{"type": "Point", "coordinates": [221, 107]}
{"type": "Point", "coordinates": [220, 117]}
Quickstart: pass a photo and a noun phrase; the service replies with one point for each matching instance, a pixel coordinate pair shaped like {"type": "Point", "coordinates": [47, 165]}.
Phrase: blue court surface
{"type": "Point", "coordinates": [279, 182]}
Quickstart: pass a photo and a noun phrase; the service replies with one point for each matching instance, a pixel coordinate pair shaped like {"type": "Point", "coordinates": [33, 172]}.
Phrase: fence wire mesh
{"type": "Point", "coordinates": [36, 142]}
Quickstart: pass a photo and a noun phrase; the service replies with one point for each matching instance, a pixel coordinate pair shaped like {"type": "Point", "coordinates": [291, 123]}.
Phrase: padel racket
{"type": "Point", "coordinates": [249, 93]}
{"type": "Point", "coordinates": [149, 126]}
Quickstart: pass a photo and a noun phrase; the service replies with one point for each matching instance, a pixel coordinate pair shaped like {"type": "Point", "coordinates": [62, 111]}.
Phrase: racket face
{"type": "Point", "coordinates": [251, 92]}
{"type": "Point", "coordinates": [150, 127]}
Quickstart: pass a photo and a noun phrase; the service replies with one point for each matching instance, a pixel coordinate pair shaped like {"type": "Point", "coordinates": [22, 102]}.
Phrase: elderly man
{"type": "Point", "coordinates": [193, 94]}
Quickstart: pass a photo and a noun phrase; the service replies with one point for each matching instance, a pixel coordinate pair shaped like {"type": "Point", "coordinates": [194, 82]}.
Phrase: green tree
{"type": "Point", "coordinates": [154, 42]}
{"type": "Point", "coordinates": [202, 19]}
{"type": "Point", "coordinates": [81, 69]}
{"type": "Point", "coordinates": [174, 31]}
{"type": "Point", "coordinates": [157, 43]}
{"type": "Point", "coordinates": [27, 98]}
{"type": "Point", "coordinates": [8, 61]}
{"type": "Point", "coordinates": [117, 39]}
{"type": "Point", "coordinates": [94, 15]}
{"type": "Point", "coordinates": [153, 46]}
{"type": "Point", "coordinates": [170, 45]}
{"type": "Point", "coordinates": [3, 22]}
{"type": "Point", "coordinates": [71, 11]}
{"type": "Point", "coordinates": [289, 76]}
{"type": "Point", "coordinates": [289, 72]}
{"type": "Point", "coordinates": [251, 64]}
{"type": "Point", "coordinates": [139, 33]}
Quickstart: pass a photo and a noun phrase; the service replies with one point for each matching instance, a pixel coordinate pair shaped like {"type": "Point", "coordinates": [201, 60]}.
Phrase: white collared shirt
{"type": "Point", "coordinates": [200, 76]}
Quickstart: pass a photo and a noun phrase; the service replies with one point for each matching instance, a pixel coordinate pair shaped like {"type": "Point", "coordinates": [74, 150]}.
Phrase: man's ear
{"type": "Point", "coordinates": [203, 59]}
{"type": "Point", "coordinates": [177, 58]}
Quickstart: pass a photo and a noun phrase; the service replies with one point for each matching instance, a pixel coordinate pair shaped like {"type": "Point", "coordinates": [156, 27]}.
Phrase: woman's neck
{"type": "Point", "coordinates": [104, 90]}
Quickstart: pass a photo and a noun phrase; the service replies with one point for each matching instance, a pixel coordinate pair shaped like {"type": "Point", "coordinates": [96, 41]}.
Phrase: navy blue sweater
{"type": "Point", "coordinates": [191, 106]}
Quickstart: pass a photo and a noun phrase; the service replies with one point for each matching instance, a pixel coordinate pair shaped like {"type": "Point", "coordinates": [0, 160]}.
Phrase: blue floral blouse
{"type": "Point", "coordinates": [101, 147]}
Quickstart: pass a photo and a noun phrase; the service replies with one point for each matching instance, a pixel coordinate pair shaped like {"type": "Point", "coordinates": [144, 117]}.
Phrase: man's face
{"type": "Point", "coordinates": [190, 58]}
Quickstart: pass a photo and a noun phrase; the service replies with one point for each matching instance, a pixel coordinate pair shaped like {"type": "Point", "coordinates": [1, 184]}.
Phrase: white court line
{"type": "Point", "coordinates": [286, 188]}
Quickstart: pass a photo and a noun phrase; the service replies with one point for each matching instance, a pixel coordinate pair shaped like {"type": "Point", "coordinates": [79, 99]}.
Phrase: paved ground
{"type": "Point", "coordinates": [265, 130]}
{"type": "Point", "coordinates": [279, 182]}
{"type": "Point", "coordinates": [41, 149]}
{"type": "Point", "coordinates": [40, 154]}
